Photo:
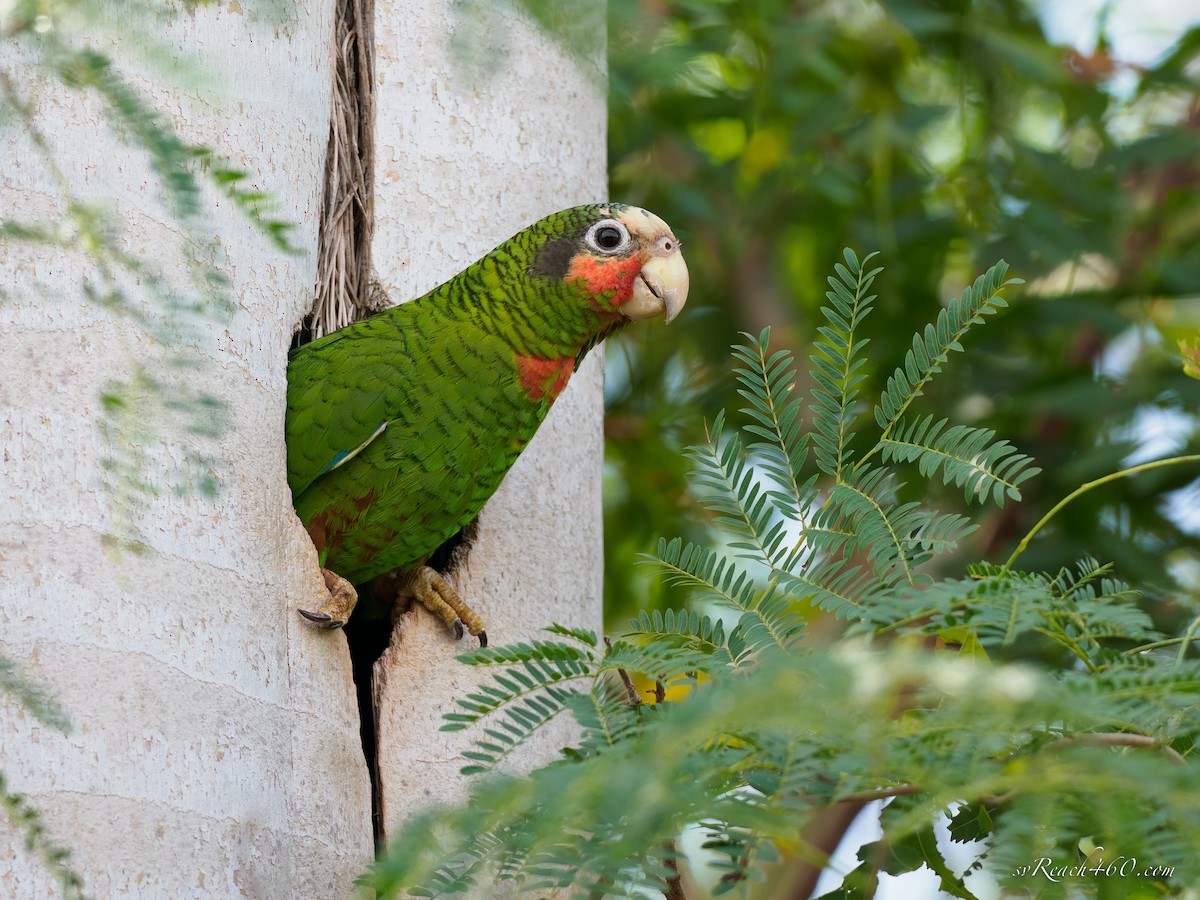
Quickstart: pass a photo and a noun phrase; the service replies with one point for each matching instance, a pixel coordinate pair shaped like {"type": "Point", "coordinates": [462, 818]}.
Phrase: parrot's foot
{"type": "Point", "coordinates": [433, 592]}
{"type": "Point", "coordinates": [335, 611]}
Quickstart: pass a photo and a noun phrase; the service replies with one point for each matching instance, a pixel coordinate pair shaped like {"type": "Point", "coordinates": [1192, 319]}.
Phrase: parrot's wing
{"type": "Point", "coordinates": [338, 399]}
{"type": "Point", "coordinates": [427, 399]}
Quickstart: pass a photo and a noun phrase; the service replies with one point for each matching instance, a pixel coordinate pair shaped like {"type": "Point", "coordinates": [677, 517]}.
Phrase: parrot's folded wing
{"type": "Point", "coordinates": [337, 403]}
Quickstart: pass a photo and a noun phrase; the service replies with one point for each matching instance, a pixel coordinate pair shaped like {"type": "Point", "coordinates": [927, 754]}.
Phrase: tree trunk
{"type": "Point", "coordinates": [214, 748]}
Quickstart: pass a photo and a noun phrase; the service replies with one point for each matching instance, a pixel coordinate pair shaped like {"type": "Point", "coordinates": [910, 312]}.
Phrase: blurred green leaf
{"type": "Point", "coordinates": [946, 133]}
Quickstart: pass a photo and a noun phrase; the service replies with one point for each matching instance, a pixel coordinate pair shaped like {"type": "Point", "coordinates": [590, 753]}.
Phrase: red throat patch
{"type": "Point", "coordinates": [543, 379]}
{"type": "Point", "coordinates": [606, 275]}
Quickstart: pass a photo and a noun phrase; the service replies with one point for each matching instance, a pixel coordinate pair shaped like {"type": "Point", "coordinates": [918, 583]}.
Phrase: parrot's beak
{"type": "Point", "coordinates": [660, 288]}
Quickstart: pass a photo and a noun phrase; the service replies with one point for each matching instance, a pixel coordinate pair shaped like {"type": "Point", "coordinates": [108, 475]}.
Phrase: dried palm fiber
{"type": "Point", "coordinates": [344, 291]}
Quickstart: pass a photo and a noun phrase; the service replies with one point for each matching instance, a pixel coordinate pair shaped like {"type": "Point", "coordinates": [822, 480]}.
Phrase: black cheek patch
{"type": "Point", "coordinates": [553, 259]}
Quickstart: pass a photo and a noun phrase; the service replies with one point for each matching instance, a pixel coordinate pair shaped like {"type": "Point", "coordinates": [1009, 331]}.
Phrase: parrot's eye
{"type": "Point", "coordinates": [608, 236]}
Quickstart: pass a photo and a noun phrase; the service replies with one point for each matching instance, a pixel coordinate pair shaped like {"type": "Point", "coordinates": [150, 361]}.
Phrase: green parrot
{"type": "Point", "coordinates": [401, 426]}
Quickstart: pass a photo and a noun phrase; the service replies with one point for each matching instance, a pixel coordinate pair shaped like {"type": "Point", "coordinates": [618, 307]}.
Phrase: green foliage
{"type": "Point", "coordinates": [1191, 357]}
{"type": "Point", "coordinates": [30, 696]}
{"type": "Point", "coordinates": [948, 133]}
{"type": "Point", "coordinates": [1080, 610]}
{"type": "Point", "coordinates": [694, 630]}
{"type": "Point", "coordinates": [967, 456]}
{"type": "Point", "coordinates": [20, 812]}
{"type": "Point", "coordinates": [55, 858]}
{"type": "Point", "coordinates": [1043, 712]}
{"type": "Point", "coordinates": [757, 491]}
{"type": "Point", "coordinates": [838, 363]}
{"type": "Point", "coordinates": [932, 348]}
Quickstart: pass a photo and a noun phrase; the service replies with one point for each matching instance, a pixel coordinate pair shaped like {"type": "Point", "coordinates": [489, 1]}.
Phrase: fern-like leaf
{"type": "Point", "coordinates": [867, 502]}
{"type": "Point", "coordinates": [768, 617]}
{"type": "Point", "coordinates": [706, 571]}
{"type": "Point", "coordinates": [605, 717]}
{"type": "Point", "coordinates": [767, 382]}
{"type": "Point", "coordinates": [830, 584]}
{"type": "Point", "coordinates": [520, 722]}
{"type": "Point", "coordinates": [697, 630]}
{"type": "Point", "coordinates": [534, 652]}
{"type": "Point", "coordinates": [256, 206]}
{"type": "Point", "coordinates": [582, 635]}
{"type": "Point", "coordinates": [733, 492]}
{"type": "Point", "coordinates": [838, 369]}
{"type": "Point", "coordinates": [169, 156]}
{"type": "Point", "coordinates": [1097, 607]}
{"type": "Point", "coordinates": [772, 624]}
{"type": "Point", "coordinates": [931, 349]}
{"type": "Point", "coordinates": [966, 456]}
{"type": "Point", "coordinates": [28, 821]}
{"type": "Point", "coordinates": [660, 660]}
{"type": "Point", "coordinates": [528, 669]}
{"type": "Point", "coordinates": [32, 697]}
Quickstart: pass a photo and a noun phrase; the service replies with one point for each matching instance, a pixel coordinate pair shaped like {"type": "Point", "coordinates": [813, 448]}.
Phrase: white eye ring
{"type": "Point", "coordinates": [608, 236]}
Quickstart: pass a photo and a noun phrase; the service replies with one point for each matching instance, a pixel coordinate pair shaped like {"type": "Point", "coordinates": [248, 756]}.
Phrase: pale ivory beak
{"type": "Point", "coordinates": [661, 287]}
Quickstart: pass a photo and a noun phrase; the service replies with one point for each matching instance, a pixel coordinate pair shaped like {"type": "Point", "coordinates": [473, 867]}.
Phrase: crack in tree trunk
{"type": "Point", "coordinates": [345, 290]}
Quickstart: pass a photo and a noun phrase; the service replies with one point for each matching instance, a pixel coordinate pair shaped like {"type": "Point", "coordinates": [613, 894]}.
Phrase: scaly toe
{"type": "Point", "coordinates": [432, 591]}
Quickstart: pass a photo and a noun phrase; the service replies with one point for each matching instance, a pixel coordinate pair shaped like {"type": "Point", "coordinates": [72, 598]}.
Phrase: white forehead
{"type": "Point", "coordinates": [643, 223]}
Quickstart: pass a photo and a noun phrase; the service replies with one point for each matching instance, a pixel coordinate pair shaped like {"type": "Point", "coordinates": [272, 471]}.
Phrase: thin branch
{"type": "Point", "coordinates": [818, 840]}
{"type": "Point", "coordinates": [1119, 739]}
{"type": "Point", "coordinates": [900, 790]}
{"type": "Point", "coordinates": [630, 691]}
{"type": "Point", "coordinates": [1155, 464]}
{"type": "Point", "coordinates": [1185, 639]}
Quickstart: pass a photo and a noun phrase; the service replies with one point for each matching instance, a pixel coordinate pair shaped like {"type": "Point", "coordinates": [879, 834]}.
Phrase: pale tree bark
{"type": "Point", "coordinates": [215, 747]}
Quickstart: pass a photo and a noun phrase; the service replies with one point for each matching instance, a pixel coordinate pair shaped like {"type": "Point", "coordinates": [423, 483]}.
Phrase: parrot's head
{"type": "Point", "coordinates": [623, 261]}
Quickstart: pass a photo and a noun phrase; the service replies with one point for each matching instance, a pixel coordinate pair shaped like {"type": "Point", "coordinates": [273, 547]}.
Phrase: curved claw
{"type": "Point", "coordinates": [335, 611]}
{"type": "Point", "coordinates": [459, 631]}
{"type": "Point", "coordinates": [322, 620]}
